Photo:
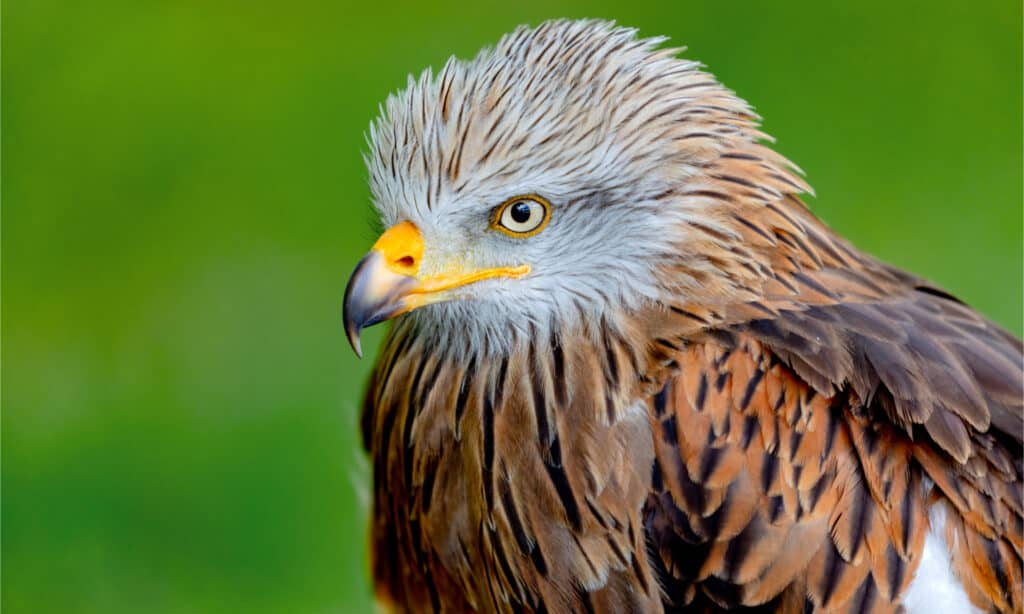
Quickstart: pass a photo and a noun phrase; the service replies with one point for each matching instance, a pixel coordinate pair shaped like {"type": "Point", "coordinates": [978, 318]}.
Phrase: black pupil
{"type": "Point", "coordinates": [520, 212]}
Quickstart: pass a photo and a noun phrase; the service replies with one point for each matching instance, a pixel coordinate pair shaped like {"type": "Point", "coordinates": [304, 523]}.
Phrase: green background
{"type": "Point", "coordinates": [184, 198]}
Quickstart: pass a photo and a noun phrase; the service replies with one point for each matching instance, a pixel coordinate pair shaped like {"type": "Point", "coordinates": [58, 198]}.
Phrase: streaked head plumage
{"type": "Point", "coordinates": [609, 129]}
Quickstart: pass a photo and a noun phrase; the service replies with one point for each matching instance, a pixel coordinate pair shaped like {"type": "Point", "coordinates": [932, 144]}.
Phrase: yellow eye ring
{"type": "Point", "coordinates": [522, 216]}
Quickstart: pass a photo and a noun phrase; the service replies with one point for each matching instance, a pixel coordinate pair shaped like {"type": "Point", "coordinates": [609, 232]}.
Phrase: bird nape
{"type": "Point", "coordinates": [631, 372]}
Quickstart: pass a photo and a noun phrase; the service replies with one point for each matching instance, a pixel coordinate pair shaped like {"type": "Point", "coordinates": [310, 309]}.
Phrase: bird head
{"type": "Point", "coordinates": [557, 179]}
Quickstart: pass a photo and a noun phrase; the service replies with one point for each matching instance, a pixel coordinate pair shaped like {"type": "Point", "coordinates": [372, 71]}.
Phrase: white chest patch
{"type": "Point", "coordinates": [935, 589]}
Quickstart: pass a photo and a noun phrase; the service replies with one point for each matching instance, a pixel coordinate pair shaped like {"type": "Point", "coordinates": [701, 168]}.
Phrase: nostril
{"type": "Point", "coordinates": [406, 261]}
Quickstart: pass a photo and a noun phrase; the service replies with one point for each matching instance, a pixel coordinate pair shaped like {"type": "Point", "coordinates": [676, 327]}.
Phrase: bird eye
{"type": "Point", "coordinates": [522, 216]}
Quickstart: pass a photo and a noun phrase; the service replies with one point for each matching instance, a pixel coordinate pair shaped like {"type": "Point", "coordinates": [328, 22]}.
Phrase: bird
{"type": "Point", "coordinates": [628, 369]}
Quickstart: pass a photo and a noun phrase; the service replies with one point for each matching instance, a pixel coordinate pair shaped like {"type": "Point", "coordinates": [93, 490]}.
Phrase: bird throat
{"type": "Point", "coordinates": [535, 448]}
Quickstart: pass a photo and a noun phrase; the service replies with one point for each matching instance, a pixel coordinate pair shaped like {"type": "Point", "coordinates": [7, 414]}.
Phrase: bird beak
{"type": "Point", "coordinates": [387, 283]}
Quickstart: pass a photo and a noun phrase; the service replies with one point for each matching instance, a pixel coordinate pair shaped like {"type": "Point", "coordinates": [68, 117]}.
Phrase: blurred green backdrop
{"type": "Point", "coordinates": [184, 199]}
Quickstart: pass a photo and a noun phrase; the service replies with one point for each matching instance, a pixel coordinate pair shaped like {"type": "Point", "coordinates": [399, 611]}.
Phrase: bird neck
{"type": "Point", "coordinates": [526, 446]}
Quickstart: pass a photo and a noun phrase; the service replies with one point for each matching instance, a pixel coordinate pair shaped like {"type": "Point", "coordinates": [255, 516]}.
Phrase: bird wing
{"type": "Point", "coordinates": [808, 436]}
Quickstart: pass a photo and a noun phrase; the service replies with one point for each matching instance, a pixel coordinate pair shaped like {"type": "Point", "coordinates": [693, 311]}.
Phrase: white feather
{"type": "Point", "coordinates": [935, 589]}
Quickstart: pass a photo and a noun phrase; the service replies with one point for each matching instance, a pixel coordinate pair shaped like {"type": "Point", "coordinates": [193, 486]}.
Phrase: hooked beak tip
{"type": "Point", "coordinates": [353, 309]}
{"type": "Point", "coordinates": [352, 332]}
{"type": "Point", "coordinates": [374, 294]}
{"type": "Point", "coordinates": [355, 346]}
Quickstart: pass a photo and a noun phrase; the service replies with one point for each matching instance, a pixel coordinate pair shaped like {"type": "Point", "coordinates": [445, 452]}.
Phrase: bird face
{"type": "Point", "coordinates": [521, 262]}
{"type": "Point", "coordinates": [395, 277]}
{"type": "Point", "coordinates": [528, 192]}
